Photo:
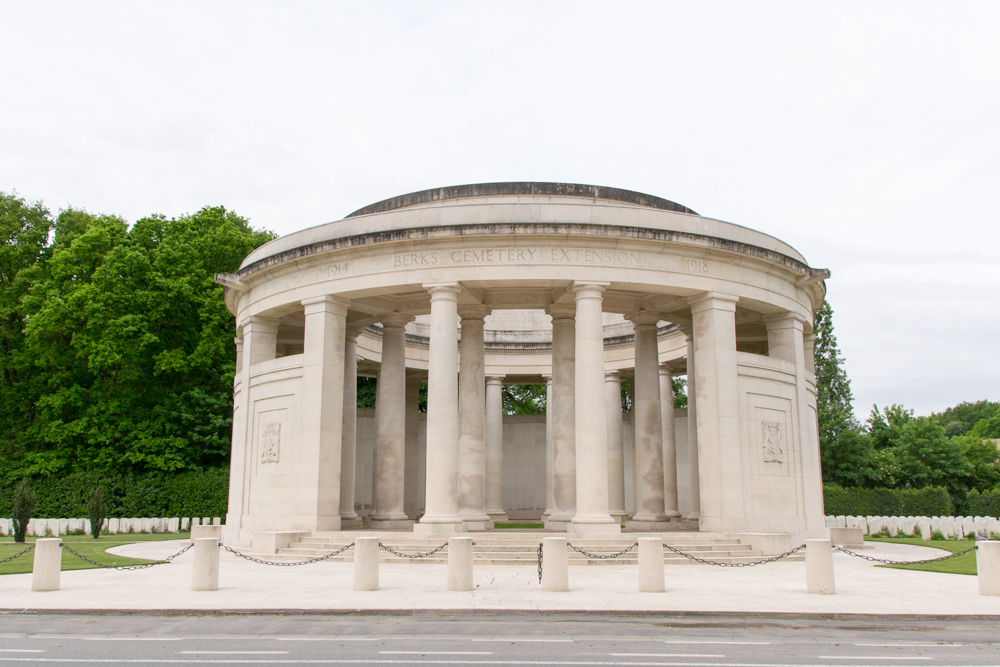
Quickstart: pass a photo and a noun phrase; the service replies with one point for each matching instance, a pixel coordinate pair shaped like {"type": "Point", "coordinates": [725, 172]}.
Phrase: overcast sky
{"type": "Point", "coordinates": [865, 134]}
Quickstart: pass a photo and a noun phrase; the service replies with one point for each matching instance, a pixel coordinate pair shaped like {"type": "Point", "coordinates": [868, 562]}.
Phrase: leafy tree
{"type": "Point", "coordinates": [96, 511]}
{"type": "Point", "coordinates": [24, 506]}
{"type": "Point", "coordinates": [851, 462]}
{"type": "Point", "coordinates": [833, 388]}
{"type": "Point", "coordinates": [523, 399]}
{"type": "Point", "coordinates": [929, 458]}
{"type": "Point", "coordinates": [984, 461]}
{"type": "Point", "coordinates": [885, 427]}
{"type": "Point", "coordinates": [959, 419]}
{"type": "Point", "coordinates": [987, 428]}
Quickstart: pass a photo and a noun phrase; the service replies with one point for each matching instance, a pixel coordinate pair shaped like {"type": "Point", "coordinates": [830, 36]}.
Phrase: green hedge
{"type": "Point", "coordinates": [150, 494]}
{"type": "Point", "coordinates": [986, 503]}
{"type": "Point", "coordinates": [930, 501]}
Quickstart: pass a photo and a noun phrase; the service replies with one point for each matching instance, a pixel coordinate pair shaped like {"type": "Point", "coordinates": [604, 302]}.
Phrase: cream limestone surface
{"type": "Point", "coordinates": [525, 284]}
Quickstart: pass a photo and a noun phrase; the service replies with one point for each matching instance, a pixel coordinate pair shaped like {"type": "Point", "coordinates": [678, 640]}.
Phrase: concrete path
{"type": "Point", "coordinates": [772, 588]}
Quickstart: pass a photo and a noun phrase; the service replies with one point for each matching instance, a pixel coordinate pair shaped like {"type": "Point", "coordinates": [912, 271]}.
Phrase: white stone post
{"type": "Point", "coordinates": [555, 565]}
{"type": "Point", "coordinates": [459, 563]}
{"type": "Point", "coordinates": [494, 448]}
{"type": "Point", "coordinates": [349, 434]}
{"type": "Point", "coordinates": [366, 564]}
{"type": "Point", "coordinates": [411, 497]}
{"type": "Point", "coordinates": [592, 513]}
{"type": "Point", "coordinates": [694, 471]}
{"type": "Point", "coordinates": [720, 456]}
{"type": "Point", "coordinates": [670, 499]}
{"type": "Point", "coordinates": [48, 564]}
{"type": "Point", "coordinates": [472, 420]}
{"type": "Point", "coordinates": [988, 567]}
{"type": "Point", "coordinates": [651, 565]}
{"type": "Point", "coordinates": [317, 449]}
{"type": "Point", "coordinates": [819, 568]}
{"type": "Point", "coordinates": [647, 427]}
{"type": "Point", "coordinates": [441, 515]}
{"type": "Point", "coordinates": [549, 503]}
{"type": "Point", "coordinates": [205, 571]}
{"type": "Point", "coordinates": [260, 336]}
{"type": "Point", "coordinates": [563, 408]}
{"type": "Point", "coordinates": [390, 449]}
{"type": "Point", "coordinates": [616, 455]}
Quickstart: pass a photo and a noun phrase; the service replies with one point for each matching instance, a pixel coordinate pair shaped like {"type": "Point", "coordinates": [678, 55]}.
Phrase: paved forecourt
{"type": "Point", "coordinates": [327, 587]}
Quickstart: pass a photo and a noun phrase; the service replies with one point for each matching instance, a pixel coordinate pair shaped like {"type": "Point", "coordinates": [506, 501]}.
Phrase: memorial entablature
{"type": "Point", "coordinates": [573, 286]}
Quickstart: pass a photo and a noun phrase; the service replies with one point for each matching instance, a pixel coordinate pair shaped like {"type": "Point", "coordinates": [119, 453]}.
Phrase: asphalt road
{"type": "Point", "coordinates": [462, 639]}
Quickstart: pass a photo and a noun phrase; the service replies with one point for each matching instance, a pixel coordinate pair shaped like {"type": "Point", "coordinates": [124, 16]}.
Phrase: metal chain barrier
{"type": "Point", "coordinates": [718, 564]}
{"type": "Point", "coordinates": [17, 555]}
{"type": "Point", "coordinates": [905, 562]}
{"type": "Point", "coordinates": [289, 563]}
{"type": "Point", "coordinates": [539, 562]}
{"type": "Point", "coordinates": [125, 567]}
{"type": "Point", "coordinates": [417, 555]}
{"type": "Point", "coordinates": [602, 556]}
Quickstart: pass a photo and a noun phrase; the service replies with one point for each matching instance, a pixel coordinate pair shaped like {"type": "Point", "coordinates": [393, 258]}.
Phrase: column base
{"type": "Point", "coordinates": [455, 528]}
{"type": "Point", "coordinates": [497, 515]}
{"type": "Point", "coordinates": [346, 523]}
{"type": "Point", "coordinates": [605, 528]}
{"type": "Point", "coordinates": [468, 526]}
{"type": "Point", "coordinates": [620, 515]}
{"type": "Point", "coordinates": [391, 524]}
{"type": "Point", "coordinates": [649, 526]}
{"type": "Point", "coordinates": [562, 525]}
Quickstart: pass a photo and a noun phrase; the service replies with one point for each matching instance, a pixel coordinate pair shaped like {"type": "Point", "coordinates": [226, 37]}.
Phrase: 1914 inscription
{"type": "Point", "coordinates": [518, 255]}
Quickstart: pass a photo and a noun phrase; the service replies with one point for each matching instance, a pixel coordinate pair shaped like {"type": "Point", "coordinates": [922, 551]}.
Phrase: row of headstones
{"type": "Point", "coordinates": [951, 527]}
{"type": "Point", "coordinates": [56, 527]}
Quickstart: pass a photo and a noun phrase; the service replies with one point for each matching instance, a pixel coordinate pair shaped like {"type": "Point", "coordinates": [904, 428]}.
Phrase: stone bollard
{"type": "Point", "coordinates": [555, 565]}
{"type": "Point", "coordinates": [48, 563]}
{"type": "Point", "coordinates": [651, 565]}
{"type": "Point", "coordinates": [819, 567]}
{"type": "Point", "coordinates": [205, 574]}
{"type": "Point", "coordinates": [460, 564]}
{"type": "Point", "coordinates": [988, 567]}
{"type": "Point", "coordinates": [366, 564]}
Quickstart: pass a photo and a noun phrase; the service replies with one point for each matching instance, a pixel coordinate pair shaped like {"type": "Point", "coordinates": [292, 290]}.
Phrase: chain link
{"type": "Point", "coordinates": [602, 556]}
{"type": "Point", "coordinates": [539, 562]}
{"type": "Point", "coordinates": [290, 563]}
{"type": "Point", "coordinates": [425, 554]}
{"type": "Point", "coordinates": [125, 567]}
{"type": "Point", "coordinates": [17, 555]}
{"type": "Point", "coordinates": [904, 562]}
{"type": "Point", "coordinates": [718, 564]}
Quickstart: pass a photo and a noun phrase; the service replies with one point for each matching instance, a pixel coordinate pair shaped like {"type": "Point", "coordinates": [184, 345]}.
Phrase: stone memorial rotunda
{"type": "Point", "coordinates": [574, 287]}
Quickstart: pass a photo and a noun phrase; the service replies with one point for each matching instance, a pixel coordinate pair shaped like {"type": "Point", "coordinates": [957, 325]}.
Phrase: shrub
{"type": "Point", "coordinates": [96, 511]}
{"type": "Point", "coordinates": [937, 535]}
{"type": "Point", "coordinates": [24, 507]}
{"type": "Point", "coordinates": [986, 503]}
{"type": "Point", "coordinates": [928, 501]}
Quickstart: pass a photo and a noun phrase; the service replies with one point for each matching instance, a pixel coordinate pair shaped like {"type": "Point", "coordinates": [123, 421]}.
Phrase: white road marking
{"type": "Point", "coordinates": [875, 657]}
{"type": "Point", "coordinates": [22, 650]}
{"type": "Point", "coordinates": [130, 639]}
{"type": "Point", "coordinates": [667, 655]}
{"type": "Point", "coordinates": [672, 641]}
{"type": "Point", "coordinates": [436, 652]}
{"type": "Point", "coordinates": [912, 645]}
{"type": "Point", "coordinates": [234, 652]}
{"type": "Point", "coordinates": [521, 640]}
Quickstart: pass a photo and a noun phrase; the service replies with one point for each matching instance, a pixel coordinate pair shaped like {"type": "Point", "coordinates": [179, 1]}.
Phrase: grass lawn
{"type": "Point", "coordinates": [959, 565]}
{"type": "Point", "coordinates": [519, 526]}
{"type": "Point", "coordinates": [85, 545]}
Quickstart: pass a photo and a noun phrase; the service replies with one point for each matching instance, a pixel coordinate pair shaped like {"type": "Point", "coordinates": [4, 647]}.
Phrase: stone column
{"type": "Point", "coordinates": [692, 424]}
{"type": "Point", "coordinates": [548, 448]}
{"type": "Point", "coordinates": [390, 448]}
{"type": "Point", "coordinates": [720, 458]}
{"type": "Point", "coordinates": [786, 341]}
{"type": "Point", "coordinates": [321, 415]}
{"type": "Point", "coordinates": [349, 439]}
{"type": "Point", "coordinates": [616, 457]}
{"type": "Point", "coordinates": [411, 497]}
{"type": "Point", "coordinates": [647, 425]}
{"type": "Point", "coordinates": [239, 355]}
{"type": "Point", "coordinates": [670, 500]}
{"type": "Point", "coordinates": [592, 515]}
{"type": "Point", "coordinates": [494, 448]}
{"type": "Point", "coordinates": [441, 513]}
{"type": "Point", "coordinates": [563, 417]}
{"type": "Point", "coordinates": [810, 352]}
{"type": "Point", "coordinates": [472, 420]}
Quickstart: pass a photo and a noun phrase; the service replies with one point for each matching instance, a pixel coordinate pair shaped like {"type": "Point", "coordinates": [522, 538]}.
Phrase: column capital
{"type": "Point", "coordinates": [475, 312]}
{"type": "Point", "coordinates": [449, 291]}
{"type": "Point", "coordinates": [494, 380]}
{"type": "Point", "coordinates": [351, 332]}
{"type": "Point", "coordinates": [395, 320]}
{"type": "Point", "coordinates": [686, 329]}
{"type": "Point", "coordinates": [561, 311]}
{"type": "Point", "coordinates": [665, 369]}
{"type": "Point", "coordinates": [612, 376]}
{"type": "Point", "coordinates": [713, 300]}
{"type": "Point", "coordinates": [327, 303]}
{"type": "Point", "coordinates": [239, 342]}
{"type": "Point", "coordinates": [784, 320]}
{"type": "Point", "coordinates": [643, 318]}
{"type": "Point", "coordinates": [588, 289]}
{"type": "Point", "coordinates": [259, 323]}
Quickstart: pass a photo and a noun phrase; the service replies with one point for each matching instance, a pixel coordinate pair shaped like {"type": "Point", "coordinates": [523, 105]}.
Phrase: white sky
{"type": "Point", "coordinates": [865, 134]}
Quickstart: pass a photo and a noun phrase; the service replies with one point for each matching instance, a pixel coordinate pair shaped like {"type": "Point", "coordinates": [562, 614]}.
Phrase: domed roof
{"type": "Point", "coordinates": [522, 188]}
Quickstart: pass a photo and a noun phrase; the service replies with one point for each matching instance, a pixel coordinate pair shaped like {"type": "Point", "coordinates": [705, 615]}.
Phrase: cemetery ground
{"type": "Point", "coordinates": [964, 564]}
{"type": "Point", "coordinates": [85, 545]}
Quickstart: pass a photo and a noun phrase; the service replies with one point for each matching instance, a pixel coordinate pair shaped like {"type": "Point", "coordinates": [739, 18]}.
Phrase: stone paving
{"type": "Point", "coordinates": [772, 588]}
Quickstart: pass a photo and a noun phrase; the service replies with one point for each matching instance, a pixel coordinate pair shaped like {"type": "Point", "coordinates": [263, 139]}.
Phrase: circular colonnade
{"type": "Point", "coordinates": [571, 286]}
